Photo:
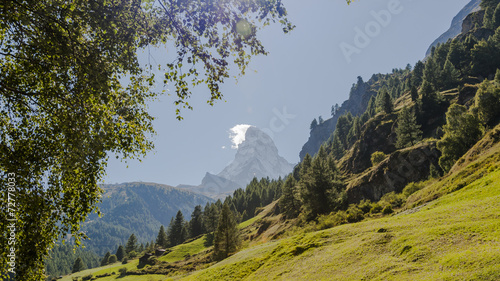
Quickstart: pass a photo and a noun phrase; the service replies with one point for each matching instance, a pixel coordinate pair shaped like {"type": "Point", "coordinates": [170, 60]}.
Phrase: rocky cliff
{"type": "Point", "coordinates": [395, 172]}
{"type": "Point", "coordinates": [356, 104]}
{"type": "Point", "coordinates": [456, 24]}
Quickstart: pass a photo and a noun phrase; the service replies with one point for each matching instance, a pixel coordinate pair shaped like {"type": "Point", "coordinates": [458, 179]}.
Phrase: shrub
{"type": "Point", "coordinates": [377, 157]}
{"type": "Point", "coordinates": [124, 261]}
{"type": "Point", "coordinates": [376, 208]}
{"type": "Point", "coordinates": [132, 254]}
{"type": "Point", "coordinates": [355, 214]}
{"type": "Point", "coordinates": [112, 259]}
{"type": "Point", "coordinates": [88, 277]}
{"type": "Point", "coordinates": [153, 260]}
{"type": "Point", "coordinates": [365, 206]}
{"type": "Point", "coordinates": [412, 188]}
{"type": "Point", "coordinates": [123, 271]}
{"type": "Point", "coordinates": [393, 199]}
{"type": "Point", "coordinates": [387, 210]}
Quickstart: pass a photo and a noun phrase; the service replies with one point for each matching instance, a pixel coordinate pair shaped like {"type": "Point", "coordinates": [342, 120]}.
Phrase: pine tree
{"type": "Point", "coordinates": [141, 248]}
{"type": "Point", "coordinates": [387, 105]}
{"type": "Point", "coordinates": [78, 265]}
{"type": "Point", "coordinates": [337, 148]}
{"type": "Point", "coordinates": [120, 253]}
{"type": "Point", "coordinates": [211, 215]}
{"type": "Point", "coordinates": [414, 93]}
{"type": "Point", "coordinates": [104, 260]}
{"type": "Point", "coordinates": [496, 17]}
{"type": "Point", "coordinates": [289, 205]}
{"type": "Point", "coordinates": [497, 78]}
{"type": "Point", "coordinates": [418, 74]}
{"type": "Point", "coordinates": [431, 72]}
{"type": "Point", "coordinates": [226, 240]}
{"type": "Point", "coordinates": [450, 75]}
{"type": "Point", "coordinates": [461, 132]}
{"type": "Point", "coordinates": [319, 188]}
{"type": "Point", "coordinates": [131, 244]}
{"type": "Point", "coordinates": [196, 222]}
{"type": "Point", "coordinates": [176, 234]}
{"type": "Point", "coordinates": [371, 108]}
{"type": "Point", "coordinates": [314, 124]}
{"type": "Point", "coordinates": [161, 239]}
{"type": "Point", "coordinates": [408, 131]}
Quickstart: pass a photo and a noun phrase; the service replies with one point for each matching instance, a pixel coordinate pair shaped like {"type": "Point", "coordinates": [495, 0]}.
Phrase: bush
{"type": "Point", "coordinates": [112, 259]}
{"type": "Point", "coordinates": [88, 277]}
{"type": "Point", "coordinates": [376, 208]}
{"type": "Point", "coordinates": [132, 254]}
{"type": "Point", "coordinates": [124, 261]}
{"type": "Point", "coordinates": [378, 157]}
{"type": "Point", "coordinates": [393, 199]}
{"type": "Point", "coordinates": [123, 271]}
{"type": "Point", "coordinates": [365, 206]}
{"type": "Point", "coordinates": [387, 210]}
{"type": "Point", "coordinates": [355, 214]}
{"type": "Point", "coordinates": [412, 188]}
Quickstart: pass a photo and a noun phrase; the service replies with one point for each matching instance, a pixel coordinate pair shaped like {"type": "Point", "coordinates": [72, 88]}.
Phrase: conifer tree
{"type": "Point", "coordinates": [431, 72]}
{"type": "Point", "coordinates": [78, 266]}
{"type": "Point", "coordinates": [161, 239]}
{"type": "Point", "coordinates": [408, 131]}
{"type": "Point", "coordinates": [177, 233]}
{"type": "Point", "coordinates": [104, 260]}
{"type": "Point", "coordinates": [305, 165]}
{"type": "Point", "coordinates": [488, 18]}
{"type": "Point", "coordinates": [414, 93]}
{"type": "Point", "coordinates": [120, 253]}
{"type": "Point", "coordinates": [496, 17]}
{"type": "Point", "coordinates": [314, 124]}
{"type": "Point", "coordinates": [337, 148]}
{"type": "Point", "coordinates": [319, 187]}
{"type": "Point", "coordinates": [196, 222]}
{"type": "Point", "coordinates": [131, 244]}
{"type": "Point", "coordinates": [387, 105]}
{"type": "Point", "coordinates": [371, 108]}
{"type": "Point", "coordinates": [450, 75]}
{"type": "Point", "coordinates": [226, 240]}
{"type": "Point", "coordinates": [461, 132]}
{"type": "Point", "coordinates": [418, 74]}
{"type": "Point", "coordinates": [289, 205]}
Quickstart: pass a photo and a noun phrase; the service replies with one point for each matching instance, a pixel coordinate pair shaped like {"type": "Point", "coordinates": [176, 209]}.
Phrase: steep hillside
{"type": "Point", "coordinates": [452, 238]}
{"type": "Point", "coordinates": [139, 208]}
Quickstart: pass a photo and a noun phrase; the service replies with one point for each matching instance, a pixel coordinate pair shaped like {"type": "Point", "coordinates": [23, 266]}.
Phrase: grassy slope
{"type": "Point", "coordinates": [178, 253]}
{"type": "Point", "coordinates": [456, 237]}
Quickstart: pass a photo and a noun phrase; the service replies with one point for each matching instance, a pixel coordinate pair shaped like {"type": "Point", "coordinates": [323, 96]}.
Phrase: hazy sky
{"type": "Point", "coordinates": [306, 72]}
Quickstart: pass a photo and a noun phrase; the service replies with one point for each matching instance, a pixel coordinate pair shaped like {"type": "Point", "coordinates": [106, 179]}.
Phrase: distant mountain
{"type": "Point", "coordinates": [139, 208]}
{"type": "Point", "coordinates": [257, 156]}
{"type": "Point", "coordinates": [456, 24]}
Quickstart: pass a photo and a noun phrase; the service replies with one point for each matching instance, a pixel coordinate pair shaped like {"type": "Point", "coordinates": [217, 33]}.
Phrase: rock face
{"type": "Point", "coordinates": [456, 24]}
{"type": "Point", "coordinates": [356, 104]}
{"type": "Point", "coordinates": [395, 172]}
{"type": "Point", "coordinates": [257, 157]}
{"type": "Point", "coordinates": [378, 135]}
